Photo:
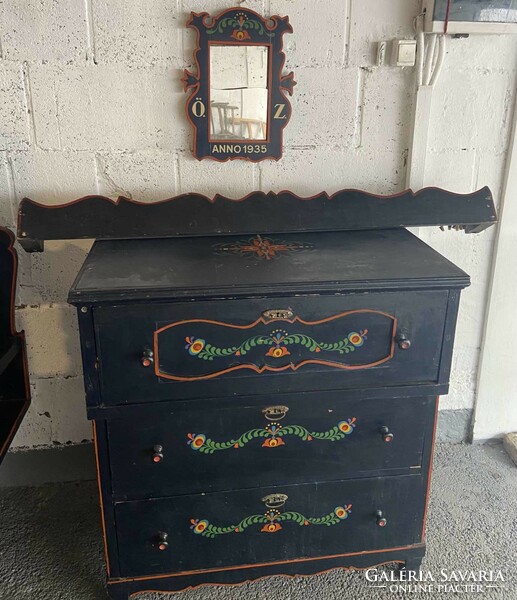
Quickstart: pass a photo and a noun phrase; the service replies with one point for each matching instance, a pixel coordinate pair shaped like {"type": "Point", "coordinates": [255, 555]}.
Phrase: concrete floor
{"type": "Point", "coordinates": [51, 547]}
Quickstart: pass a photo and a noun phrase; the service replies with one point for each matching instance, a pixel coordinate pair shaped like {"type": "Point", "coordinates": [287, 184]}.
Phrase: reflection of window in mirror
{"type": "Point", "coordinates": [238, 92]}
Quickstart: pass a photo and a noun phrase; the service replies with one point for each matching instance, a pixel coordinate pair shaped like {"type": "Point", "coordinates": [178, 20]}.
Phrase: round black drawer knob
{"type": "Point", "coordinates": [163, 544]}
{"type": "Point", "coordinates": [381, 519]}
{"type": "Point", "coordinates": [387, 436]}
{"type": "Point", "coordinates": [157, 453]}
{"type": "Point", "coordinates": [147, 358]}
{"type": "Point", "coordinates": [403, 342]}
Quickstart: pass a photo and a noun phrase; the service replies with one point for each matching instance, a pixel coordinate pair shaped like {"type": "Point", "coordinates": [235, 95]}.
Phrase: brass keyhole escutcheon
{"type": "Point", "coordinates": [275, 413]}
{"type": "Point", "coordinates": [278, 313]}
{"type": "Point", "coordinates": [275, 500]}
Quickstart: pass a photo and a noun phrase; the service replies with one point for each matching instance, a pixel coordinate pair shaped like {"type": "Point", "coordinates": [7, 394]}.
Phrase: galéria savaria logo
{"type": "Point", "coordinates": [445, 581]}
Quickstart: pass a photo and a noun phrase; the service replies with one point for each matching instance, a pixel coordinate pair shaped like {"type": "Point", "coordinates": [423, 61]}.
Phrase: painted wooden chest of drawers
{"type": "Point", "coordinates": [263, 404]}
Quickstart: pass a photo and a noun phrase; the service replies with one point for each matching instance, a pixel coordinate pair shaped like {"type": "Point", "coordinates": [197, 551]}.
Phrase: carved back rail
{"type": "Point", "coordinates": [258, 212]}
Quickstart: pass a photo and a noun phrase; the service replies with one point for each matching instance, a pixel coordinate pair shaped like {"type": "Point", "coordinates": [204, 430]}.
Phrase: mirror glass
{"type": "Point", "coordinates": [238, 92]}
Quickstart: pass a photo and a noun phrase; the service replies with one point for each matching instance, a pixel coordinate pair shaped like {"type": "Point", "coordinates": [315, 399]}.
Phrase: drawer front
{"type": "Point", "coordinates": [268, 524]}
{"type": "Point", "coordinates": [283, 439]}
{"type": "Point", "coordinates": [203, 349]}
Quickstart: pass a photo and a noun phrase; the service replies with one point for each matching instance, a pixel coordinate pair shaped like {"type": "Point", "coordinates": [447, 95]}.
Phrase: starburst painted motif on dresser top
{"type": "Point", "coordinates": [261, 247]}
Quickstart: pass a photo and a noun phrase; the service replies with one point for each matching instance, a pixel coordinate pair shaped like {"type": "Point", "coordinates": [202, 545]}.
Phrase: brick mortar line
{"type": "Point", "coordinates": [12, 187]}
{"type": "Point", "coordinates": [347, 33]}
{"type": "Point", "coordinates": [184, 153]}
{"type": "Point", "coordinates": [357, 138]}
{"type": "Point", "coordinates": [90, 32]}
{"type": "Point", "coordinates": [29, 104]}
{"type": "Point", "coordinates": [177, 173]}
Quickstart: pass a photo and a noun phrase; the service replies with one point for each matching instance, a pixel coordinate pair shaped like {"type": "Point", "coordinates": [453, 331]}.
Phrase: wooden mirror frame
{"type": "Point", "coordinates": [238, 26]}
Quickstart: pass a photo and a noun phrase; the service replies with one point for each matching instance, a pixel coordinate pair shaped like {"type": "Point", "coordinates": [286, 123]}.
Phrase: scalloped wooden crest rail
{"type": "Point", "coordinates": [194, 214]}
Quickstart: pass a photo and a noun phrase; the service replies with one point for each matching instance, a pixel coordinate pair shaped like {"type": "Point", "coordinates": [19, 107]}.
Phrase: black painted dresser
{"type": "Point", "coordinates": [263, 404]}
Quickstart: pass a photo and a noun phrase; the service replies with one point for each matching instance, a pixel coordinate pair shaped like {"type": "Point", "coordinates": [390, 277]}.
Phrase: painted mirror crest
{"type": "Point", "coordinates": [238, 105]}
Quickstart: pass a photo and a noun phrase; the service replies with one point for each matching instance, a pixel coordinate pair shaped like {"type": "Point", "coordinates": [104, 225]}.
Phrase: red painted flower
{"type": "Point", "coordinates": [342, 512]}
{"type": "Point", "coordinates": [278, 352]}
{"type": "Point", "coordinates": [240, 35]}
{"type": "Point", "coordinates": [196, 440]}
{"type": "Point", "coordinates": [356, 339]}
{"type": "Point", "coordinates": [347, 426]}
{"type": "Point", "coordinates": [198, 526]}
{"type": "Point", "coordinates": [271, 527]}
{"type": "Point", "coordinates": [273, 443]}
{"type": "Point", "coordinates": [194, 346]}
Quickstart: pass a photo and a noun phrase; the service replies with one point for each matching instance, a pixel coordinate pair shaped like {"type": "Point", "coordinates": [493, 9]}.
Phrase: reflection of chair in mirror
{"type": "Point", "coordinates": [225, 114]}
{"type": "Point", "coordinates": [260, 127]}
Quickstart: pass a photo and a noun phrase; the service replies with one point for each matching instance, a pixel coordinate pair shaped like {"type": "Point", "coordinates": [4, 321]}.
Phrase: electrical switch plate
{"type": "Point", "coordinates": [403, 53]}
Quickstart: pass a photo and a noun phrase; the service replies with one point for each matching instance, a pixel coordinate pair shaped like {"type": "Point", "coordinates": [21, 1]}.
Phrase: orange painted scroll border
{"type": "Point", "coordinates": [265, 368]}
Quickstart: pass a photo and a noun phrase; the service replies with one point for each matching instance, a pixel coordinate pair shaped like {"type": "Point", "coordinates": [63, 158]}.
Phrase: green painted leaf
{"type": "Point", "coordinates": [292, 516]}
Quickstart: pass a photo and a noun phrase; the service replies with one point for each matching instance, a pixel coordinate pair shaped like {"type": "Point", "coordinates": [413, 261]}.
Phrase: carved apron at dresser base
{"type": "Point", "coordinates": [263, 412]}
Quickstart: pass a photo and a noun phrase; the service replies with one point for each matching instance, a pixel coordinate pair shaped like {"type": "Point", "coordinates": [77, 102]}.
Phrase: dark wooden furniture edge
{"type": "Point", "coordinates": [410, 557]}
{"type": "Point", "coordinates": [192, 214]}
{"type": "Point", "coordinates": [15, 392]}
{"type": "Point", "coordinates": [157, 409]}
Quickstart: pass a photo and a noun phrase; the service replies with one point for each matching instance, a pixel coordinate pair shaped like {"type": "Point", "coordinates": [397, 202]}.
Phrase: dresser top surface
{"type": "Point", "coordinates": [137, 270]}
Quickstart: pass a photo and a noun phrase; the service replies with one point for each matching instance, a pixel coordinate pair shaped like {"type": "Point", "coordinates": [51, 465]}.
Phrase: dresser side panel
{"type": "Point", "coordinates": [89, 355]}
{"type": "Point", "coordinates": [106, 501]}
{"type": "Point", "coordinates": [449, 332]}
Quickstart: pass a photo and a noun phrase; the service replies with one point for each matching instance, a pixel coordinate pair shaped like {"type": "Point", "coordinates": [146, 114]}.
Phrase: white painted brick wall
{"type": "Point", "coordinates": [91, 102]}
{"type": "Point", "coordinates": [44, 30]}
{"type": "Point", "coordinates": [98, 107]}
{"type": "Point", "coordinates": [138, 33]}
{"type": "Point", "coordinates": [472, 107]}
{"type": "Point", "coordinates": [53, 345]}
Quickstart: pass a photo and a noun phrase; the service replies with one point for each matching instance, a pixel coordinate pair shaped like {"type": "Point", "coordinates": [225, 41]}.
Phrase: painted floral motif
{"type": "Point", "coordinates": [196, 440]}
{"type": "Point", "coordinates": [274, 434]}
{"type": "Point", "coordinates": [240, 35]}
{"type": "Point", "coordinates": [278, 352]}
{"type": "Point", "coordinates": [240, 25]}
{"type": "Point", "coordinates": [199, 526]}
{"type": "Point", "coordinates": [278, 341]}
{"type": "Point", "coordinates": [271, 527]}
{"type": "Point", "coordinates": [356, 339]}
{"type": "Point", "coordinates": [194, 346]}
{"type": "Point", "coordinates": [271, 521]}
{"type": "Point", "coordinates": [274, 438]}
{"type": "Point", "coordinates": [261, 247]}
{"type": "Point", "coordinates": [346, 426]}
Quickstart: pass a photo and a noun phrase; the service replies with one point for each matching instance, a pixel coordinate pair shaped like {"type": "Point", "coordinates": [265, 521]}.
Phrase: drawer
{"type": "Point", "coordinates": [262, 525]}
{"type": "Point", "coordinates": [284, 439]}
{"type": "Point", "coordinates": [269, 345]}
